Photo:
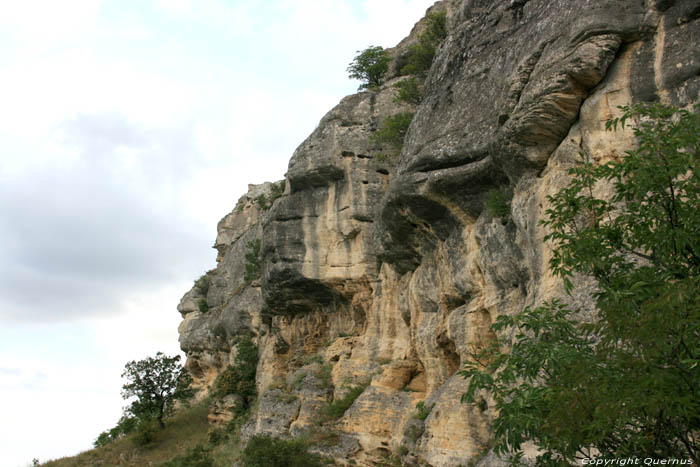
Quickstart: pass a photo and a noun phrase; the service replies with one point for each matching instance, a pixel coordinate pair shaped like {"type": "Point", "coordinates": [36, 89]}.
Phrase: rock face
{"type": "Point", "coordinates": [388, 271]}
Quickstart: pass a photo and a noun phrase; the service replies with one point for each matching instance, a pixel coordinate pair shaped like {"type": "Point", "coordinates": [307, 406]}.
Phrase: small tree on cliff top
{"type": "Point", "coordinates": [156, 383]}
{"type": "Point", "coordinates": [370, 66]}
{"type": "Point", "coordinates": [627, 385]}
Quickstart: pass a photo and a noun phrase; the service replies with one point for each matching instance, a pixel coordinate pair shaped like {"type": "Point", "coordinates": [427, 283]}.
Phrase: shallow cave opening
{"type": "Point", "coordinates": [449, 353]}
{"type": "Point", "coordinates": [194, 368]}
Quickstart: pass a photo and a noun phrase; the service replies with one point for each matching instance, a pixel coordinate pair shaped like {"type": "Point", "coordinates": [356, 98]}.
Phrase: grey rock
{"type": "Point", "coordinates": [393, 270]}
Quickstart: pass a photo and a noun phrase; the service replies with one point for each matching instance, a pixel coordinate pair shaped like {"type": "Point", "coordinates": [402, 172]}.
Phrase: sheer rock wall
{"type": "Point", "coordinates": [388, 271]}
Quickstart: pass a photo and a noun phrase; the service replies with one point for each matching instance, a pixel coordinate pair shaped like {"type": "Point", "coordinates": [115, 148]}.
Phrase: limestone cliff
{"type": "Point", "coordinates": [388, 271]}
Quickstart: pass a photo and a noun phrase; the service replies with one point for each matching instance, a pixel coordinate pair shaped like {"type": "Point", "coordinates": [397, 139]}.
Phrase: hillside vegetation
{"type": "Point", "coordinates": [184, 430]}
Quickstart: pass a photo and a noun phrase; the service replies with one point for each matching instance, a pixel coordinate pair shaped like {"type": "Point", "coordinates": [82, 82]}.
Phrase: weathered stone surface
{"type": "Point", "coordinates": [390, 272]}
{"type": "Point", "coordinates": [317, 240]}
{"type": "Point", "coordinates": [233, 307]}
{"type": "Point", "coordinates": [222, 410]}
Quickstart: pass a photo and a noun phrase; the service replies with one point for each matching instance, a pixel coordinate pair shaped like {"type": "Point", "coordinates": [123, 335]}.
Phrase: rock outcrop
{"type": "Point", "coordinates": [386, 272]}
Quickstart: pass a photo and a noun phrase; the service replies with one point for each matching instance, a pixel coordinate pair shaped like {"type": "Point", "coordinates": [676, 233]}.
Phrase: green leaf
{"type": "Point", "coordinates": [627, 383]}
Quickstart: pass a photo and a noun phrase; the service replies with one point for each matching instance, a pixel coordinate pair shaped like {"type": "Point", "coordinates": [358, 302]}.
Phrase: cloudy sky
{"type": "Point", "coordinates": [128, 128]}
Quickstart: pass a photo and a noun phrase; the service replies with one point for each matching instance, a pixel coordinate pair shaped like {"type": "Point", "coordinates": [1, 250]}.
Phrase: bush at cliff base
{"type": "Point", "coordinates": [266, 451]}
{"type": "Point", "coordinates": [239, 378]}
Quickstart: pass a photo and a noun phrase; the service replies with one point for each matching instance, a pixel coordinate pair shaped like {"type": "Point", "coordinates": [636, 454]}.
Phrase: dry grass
{"type": "Point", "coordinates": [184, 430]}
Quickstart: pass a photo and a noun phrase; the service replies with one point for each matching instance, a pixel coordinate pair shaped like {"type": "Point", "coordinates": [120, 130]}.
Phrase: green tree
{"type": "Point", "coordinates": [627, 384]}
{"type": "Point", "coordinates": [370, 66]}
{"type": "Point", "coordinates": [156, 383]}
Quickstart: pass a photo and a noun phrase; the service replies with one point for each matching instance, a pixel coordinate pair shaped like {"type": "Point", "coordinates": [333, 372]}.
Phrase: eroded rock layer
{"type": "Point", "coordinates": [384, 272]}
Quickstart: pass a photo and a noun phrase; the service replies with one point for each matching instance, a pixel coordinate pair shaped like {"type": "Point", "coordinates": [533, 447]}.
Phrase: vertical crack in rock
{"type": "Point", "coordinates": [660, 43]}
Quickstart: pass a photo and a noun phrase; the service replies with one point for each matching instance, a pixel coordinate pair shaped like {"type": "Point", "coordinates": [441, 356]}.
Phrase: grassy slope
{"type": "Point", "coordinates": [184, 430]}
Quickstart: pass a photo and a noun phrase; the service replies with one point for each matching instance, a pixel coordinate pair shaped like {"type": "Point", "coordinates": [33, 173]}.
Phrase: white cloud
{"type": "Point", "coordinates": [144, 327]}
{"type": "Point", "coordinates": [175, 6]}
{"type": "Point", "coordinates": [24, 425]}
{"type": "Point", "coordinates": [40, 25]}
{"type": "Point", "coordinates": [58, 396]}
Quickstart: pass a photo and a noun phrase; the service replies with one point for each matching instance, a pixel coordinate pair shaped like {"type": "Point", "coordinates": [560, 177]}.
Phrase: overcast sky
{"type": "Point", "coordinates": [127, 130]}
